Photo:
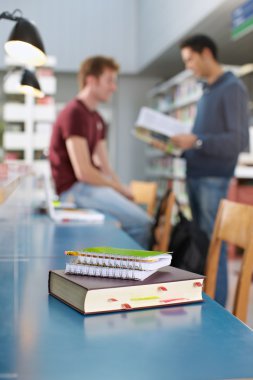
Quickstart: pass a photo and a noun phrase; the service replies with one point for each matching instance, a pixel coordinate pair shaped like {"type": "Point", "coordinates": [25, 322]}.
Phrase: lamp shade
{"type": "Point", "coordinates": [25, 44]}
{"type": "Point", "coordinates": [30, 85]}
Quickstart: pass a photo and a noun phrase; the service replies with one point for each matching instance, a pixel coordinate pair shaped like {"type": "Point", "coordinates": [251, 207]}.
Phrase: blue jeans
{"type": "Point", "coordinates": [205, 194]}
{"type": "Point", "coordinates": [133, 219]}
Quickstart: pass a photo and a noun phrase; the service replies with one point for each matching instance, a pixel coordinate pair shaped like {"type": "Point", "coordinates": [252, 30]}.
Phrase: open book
{"type": "Point", "coordinates": [116, 262]}
{"type": "Point", "coordinates": [152, 125]}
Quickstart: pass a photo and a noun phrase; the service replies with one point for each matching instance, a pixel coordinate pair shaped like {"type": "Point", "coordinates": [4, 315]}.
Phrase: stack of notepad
{"type": "Point", "coordinates": [116, 262]}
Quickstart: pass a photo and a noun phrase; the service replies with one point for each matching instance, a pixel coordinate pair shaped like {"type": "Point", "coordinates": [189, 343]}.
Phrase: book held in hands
{"type": "Point", "coordinates": [152, 126]}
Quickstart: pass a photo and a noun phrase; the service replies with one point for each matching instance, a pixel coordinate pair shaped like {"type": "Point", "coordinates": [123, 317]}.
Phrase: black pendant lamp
{"type": "Point", "coordinates": [30, 85]}
{"type": "Point", "coordinates": [24, 43]}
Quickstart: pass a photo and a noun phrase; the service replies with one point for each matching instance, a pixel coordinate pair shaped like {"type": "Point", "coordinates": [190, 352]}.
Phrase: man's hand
{"type": "Point", "coordinates": [126, 192]}
{"type": "Point", "coordinates": [184, 141]}
{"type": "Point", "coordinates": [159, 145]}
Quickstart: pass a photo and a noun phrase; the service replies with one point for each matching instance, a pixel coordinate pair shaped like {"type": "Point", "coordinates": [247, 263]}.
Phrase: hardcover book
{"type": "Point", "coordinates": [89, 295]}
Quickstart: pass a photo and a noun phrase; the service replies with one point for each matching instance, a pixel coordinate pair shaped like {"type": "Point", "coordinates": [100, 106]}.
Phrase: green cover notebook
{"type": "Point", "coordinates": [136, 254]}
{"type": "Point", "coordinates": [116, 262]}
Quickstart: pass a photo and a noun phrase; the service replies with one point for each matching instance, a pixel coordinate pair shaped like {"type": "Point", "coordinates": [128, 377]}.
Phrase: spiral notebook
{"type": "Point", "coordinates": [116, 262]}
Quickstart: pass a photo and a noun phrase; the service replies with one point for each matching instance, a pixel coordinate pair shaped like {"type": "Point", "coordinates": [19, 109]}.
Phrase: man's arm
{"type": "Point", "coordinates": [79, 155]}
{"type": "Point", "coordinates": [102, 154]}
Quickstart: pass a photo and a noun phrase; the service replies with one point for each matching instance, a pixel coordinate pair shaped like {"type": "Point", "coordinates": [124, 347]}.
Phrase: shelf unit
{"type": "Point", "coordinates": [28, 121]}
{"type": "Point", "coordinates": [177, 97]}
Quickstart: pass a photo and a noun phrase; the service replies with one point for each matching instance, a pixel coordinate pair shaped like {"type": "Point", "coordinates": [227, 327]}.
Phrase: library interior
{"type": "Point", "coordinates": [126, 189]}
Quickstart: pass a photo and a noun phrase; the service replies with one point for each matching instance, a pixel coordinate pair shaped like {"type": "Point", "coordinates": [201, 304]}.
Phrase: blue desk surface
{"type": "Point", "coordinates": [43, 339]}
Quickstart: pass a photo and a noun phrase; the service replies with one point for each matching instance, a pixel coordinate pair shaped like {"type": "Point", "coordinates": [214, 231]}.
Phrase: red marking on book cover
{"type": "Point", "coordinates": [126, 306]}
{"type": "Point", "coordinates": [197, 284]}
{"type": "Point", "coordinates": [162, 288]}
{"type": "Point", "coordinates": [174, 300]}
{"type": "Point", "coordinates": [112, 300]}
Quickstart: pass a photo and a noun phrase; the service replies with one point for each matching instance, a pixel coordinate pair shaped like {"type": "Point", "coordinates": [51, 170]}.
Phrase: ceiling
{"type": "Point", "coordinates": [218, 26]}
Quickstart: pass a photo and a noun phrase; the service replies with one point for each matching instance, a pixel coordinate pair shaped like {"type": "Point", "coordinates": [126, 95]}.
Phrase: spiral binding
{"type": "Point", "coordinates": [102, 271]}
{"type": "Point", "coordinates": [104, 261]}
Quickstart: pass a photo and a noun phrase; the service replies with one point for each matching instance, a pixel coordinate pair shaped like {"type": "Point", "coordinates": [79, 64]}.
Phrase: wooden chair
{"type": "Point", "coordinates": [163, 229]}
{"type": "Point", "coordinates": [234, 224]}
{"type": "Point", "coordinates": [145, 194]}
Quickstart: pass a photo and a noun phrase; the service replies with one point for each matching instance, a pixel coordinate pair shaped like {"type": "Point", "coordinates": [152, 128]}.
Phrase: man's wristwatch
{"type": "Point", "coordinates": [198, 144]}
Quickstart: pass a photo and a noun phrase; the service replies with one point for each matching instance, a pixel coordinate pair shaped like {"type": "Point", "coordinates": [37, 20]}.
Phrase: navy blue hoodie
{"type": "Point", "coordinates": [222, 123]}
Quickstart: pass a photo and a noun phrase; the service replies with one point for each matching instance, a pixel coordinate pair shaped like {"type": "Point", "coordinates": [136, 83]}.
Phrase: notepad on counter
{"type": "Point", "coordinates": [116, 262]}
{"type": "Point", "coordinates": [61, 212]}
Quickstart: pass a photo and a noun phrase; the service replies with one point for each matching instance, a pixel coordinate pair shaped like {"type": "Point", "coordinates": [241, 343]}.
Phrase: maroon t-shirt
{"type": "Point", "coordinates": [74, 120]}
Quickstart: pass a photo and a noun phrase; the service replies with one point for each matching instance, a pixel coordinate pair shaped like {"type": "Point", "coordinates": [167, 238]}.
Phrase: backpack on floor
{"type": "Point", "coordinates": [189, 245]}
{"type": "Point", "coordinates": [188, 242]}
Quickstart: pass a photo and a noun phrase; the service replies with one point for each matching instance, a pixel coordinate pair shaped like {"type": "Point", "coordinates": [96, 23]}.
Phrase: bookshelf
{"type": "Point", "coordinates": [28, 120]}
{"type": "Point", "coordinates": [176, 97]}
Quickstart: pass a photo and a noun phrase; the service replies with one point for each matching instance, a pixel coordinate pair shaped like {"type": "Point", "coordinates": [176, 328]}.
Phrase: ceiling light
{"type": "Point", "coordinates": [30, 85]}
{"type": "Point", "coordinates": [24, 43]}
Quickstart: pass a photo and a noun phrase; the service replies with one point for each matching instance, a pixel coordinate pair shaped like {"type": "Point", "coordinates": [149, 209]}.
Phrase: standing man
{"type": "Point", "coordinates": [219, 134]}
{"type": "Point", "coordinates": [78, 152]}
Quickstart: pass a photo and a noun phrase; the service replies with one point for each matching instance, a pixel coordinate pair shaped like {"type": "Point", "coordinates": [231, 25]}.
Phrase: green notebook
{"type": "Point", "coordinates": [120, 252]}
{"type": "Point", "coordinates": [110, 257]}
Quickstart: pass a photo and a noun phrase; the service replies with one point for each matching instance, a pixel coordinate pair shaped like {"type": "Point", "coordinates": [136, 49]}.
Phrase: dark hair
{"type": "Point", "coordinates": [95, 66]}
{"type": "Point", "coordinates": [199, 42]}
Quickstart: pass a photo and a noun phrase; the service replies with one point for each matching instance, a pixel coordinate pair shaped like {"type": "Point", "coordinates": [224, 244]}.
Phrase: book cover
{"type": "Point", "coordinates": [119, 252]}
{"type": "Point", "coordinates": [156, 128]}
{"type": "Point", "coordinates": [160, 123]}
{"type": "Point", "coordinates": [89, 295]}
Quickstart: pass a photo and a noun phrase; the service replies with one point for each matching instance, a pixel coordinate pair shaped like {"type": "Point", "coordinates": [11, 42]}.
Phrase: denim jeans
{"type": "Point", "coordinates": [133, 219]}
{"type": "Point", "coordinates": [205, 194]}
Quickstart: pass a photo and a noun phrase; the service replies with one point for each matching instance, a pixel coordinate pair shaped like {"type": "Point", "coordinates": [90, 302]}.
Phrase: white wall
{"type": "Point", "coordinates": [161, 23]}
{"type": "Point", "coordinates": [129, 157]}
{"type": "Point", "coordinates": [73, 30]}
{"type": "Point", "coordinates": [135, 32]}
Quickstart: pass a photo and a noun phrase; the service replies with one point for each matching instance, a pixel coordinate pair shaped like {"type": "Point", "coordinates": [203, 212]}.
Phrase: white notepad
{"type": "Point", "coordinates": [161, 261]}
{"type": "Point", "coordinates": [116, 262]}
{"type": "Point", "coordinates": [60, 215]}
{"type": "Point", "coordinates": [125, 274]}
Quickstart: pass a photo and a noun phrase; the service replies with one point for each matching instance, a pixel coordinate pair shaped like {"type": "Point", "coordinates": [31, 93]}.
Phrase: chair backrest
{"type": "Point", "coordinates": [145, 193]}
{"type": "Point", "coordinates": [163, 229]}
{"type": "Point", "coordinates": [234, 224]}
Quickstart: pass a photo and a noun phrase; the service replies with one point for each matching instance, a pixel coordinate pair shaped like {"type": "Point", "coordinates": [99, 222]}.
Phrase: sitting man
{"type": "Point", "coordinates": [78, 153]}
